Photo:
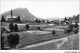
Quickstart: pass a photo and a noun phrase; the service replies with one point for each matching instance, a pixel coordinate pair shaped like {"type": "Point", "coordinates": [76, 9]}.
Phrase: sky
{"type": "Point", "coordinates": [44, 8]}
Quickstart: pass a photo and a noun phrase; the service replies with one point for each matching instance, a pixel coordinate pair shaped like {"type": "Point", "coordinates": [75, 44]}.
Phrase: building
{"type": "Point", "coordinates": [14, 18]}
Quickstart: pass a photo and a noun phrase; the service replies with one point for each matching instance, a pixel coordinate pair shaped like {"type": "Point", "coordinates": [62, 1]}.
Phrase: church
{"type": "Point", "coordinates": [11, 17]}
{"type": "Point", "coordinates": [14, 18]}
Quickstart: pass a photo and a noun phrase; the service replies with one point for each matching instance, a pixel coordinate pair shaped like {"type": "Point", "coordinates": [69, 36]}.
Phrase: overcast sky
{"type": "Point", "coordinates": [42, 8]}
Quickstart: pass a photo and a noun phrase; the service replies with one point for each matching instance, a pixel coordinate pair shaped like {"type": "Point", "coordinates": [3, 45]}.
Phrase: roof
{"type": "Point", "coordinates": [12, 16]}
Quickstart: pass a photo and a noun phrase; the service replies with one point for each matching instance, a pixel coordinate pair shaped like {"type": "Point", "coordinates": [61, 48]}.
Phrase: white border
{"type": "Point", "coordinates": [42, 51]}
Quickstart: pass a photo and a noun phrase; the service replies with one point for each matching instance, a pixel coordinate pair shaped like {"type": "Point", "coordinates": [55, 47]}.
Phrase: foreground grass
{"type": "Point", "coordinates": [50, 46]}
{"type": "Point", "coordinates": [72, 43]}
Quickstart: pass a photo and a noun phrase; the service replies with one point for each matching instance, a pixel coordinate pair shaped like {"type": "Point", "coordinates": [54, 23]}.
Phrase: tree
{"type": "Point", "coordinates": [13, 40]}
{"type": "Point", "coordinates": [15, 27]}
{"type": "Point", "coordinates": [75, 30]}
{"type": "Point", "coordinates": [3, 30]}
{"type": "Point", "coordinates": [53, 32]}
{"type": "Point", "coordinates": [11, 27]}
{"type": "Point", "coordinates": [27, 27]}
{"type": "Point", "coordinates": [67, 31]}
{"type": "Point", "coordinates": [18, 19]}
{"type": "Point", "coordinates": [65, 19]}
{"type": "Point", "coordinates": [2, 42]}
{"type": "Point", "coordinates": [77, 16]}
{"type": "Point", "coordinates": [2, 19]}
{"type": "Point", "coordinates": [70, 27]}
{"type": "Point", "coordinates": [37, 21]}
{"type": "Point", "coordinates": [26, 21]}
{"type": "Point", "coordinates": [76, 25]}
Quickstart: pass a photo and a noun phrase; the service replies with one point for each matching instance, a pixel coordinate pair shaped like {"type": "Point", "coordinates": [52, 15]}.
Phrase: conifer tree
{"type": "Point", "coordinates": [18, 19]}
{"type": "Point", "coordinates": [15, 27]}
{"type": "Point", "coordinates": [2, 19]}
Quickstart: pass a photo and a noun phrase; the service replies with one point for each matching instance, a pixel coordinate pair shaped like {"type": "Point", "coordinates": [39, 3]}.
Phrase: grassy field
{"type": "Point", "coordinates": [72, 43]}
{"type": "Point", "coordinates": [27, 38]}
{"type": "Point", "coordinates": [51, 46]}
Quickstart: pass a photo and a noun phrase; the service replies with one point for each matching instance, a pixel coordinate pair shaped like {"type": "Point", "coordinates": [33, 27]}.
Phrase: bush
{"type": "Point", "coordinates": [11, 27]}
{"type": "Point", "coordinates": [75, 30]}
{"type": "Point", "coordinates": [13, 40]}
{"type": "Point", "coordinates": [70, 27]}
{"type": "Point", "coordinates": [15, 27]}
{"type": "Point", "coordinates": [37, 21]}
{"type": "Point", "coordinates": [53, 32]}
{"type": "Point", "coordinates": [67, 31]}
{"type": "Point", "coordinates": [3, 30]}
{"type": "Point", "coordinates": [38, 28]}
{"type": "Point", "coordinates": [27, 26]}
{"type": "Point", "coordinates": [76, 25]}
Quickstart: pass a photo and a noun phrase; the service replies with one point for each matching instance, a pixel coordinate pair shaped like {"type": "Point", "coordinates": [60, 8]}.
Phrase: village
{"type": "Point", "coordinates": [17, 33]}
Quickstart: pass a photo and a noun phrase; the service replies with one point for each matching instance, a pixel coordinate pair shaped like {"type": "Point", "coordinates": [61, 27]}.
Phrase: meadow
{"type": "Point", "coordinates": [34, 36]}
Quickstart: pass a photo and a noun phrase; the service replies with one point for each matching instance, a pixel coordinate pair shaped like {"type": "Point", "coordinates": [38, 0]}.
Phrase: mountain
{"type": "Point", "coordinates": [22, 12]}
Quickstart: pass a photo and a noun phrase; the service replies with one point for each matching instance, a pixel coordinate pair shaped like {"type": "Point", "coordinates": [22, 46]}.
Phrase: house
{"type": "Point", "coordinates": [14, 18]}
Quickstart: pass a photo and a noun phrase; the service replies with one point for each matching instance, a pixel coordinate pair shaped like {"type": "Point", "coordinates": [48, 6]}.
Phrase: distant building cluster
{"type": "Point", "coordinates": [14, 18]}
{"type": "Point", "coordinates": [10, 18]}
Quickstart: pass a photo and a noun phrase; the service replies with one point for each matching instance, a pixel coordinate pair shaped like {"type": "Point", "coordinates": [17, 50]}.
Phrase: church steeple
{"type": "Point", "coordinates": [11, 14]}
